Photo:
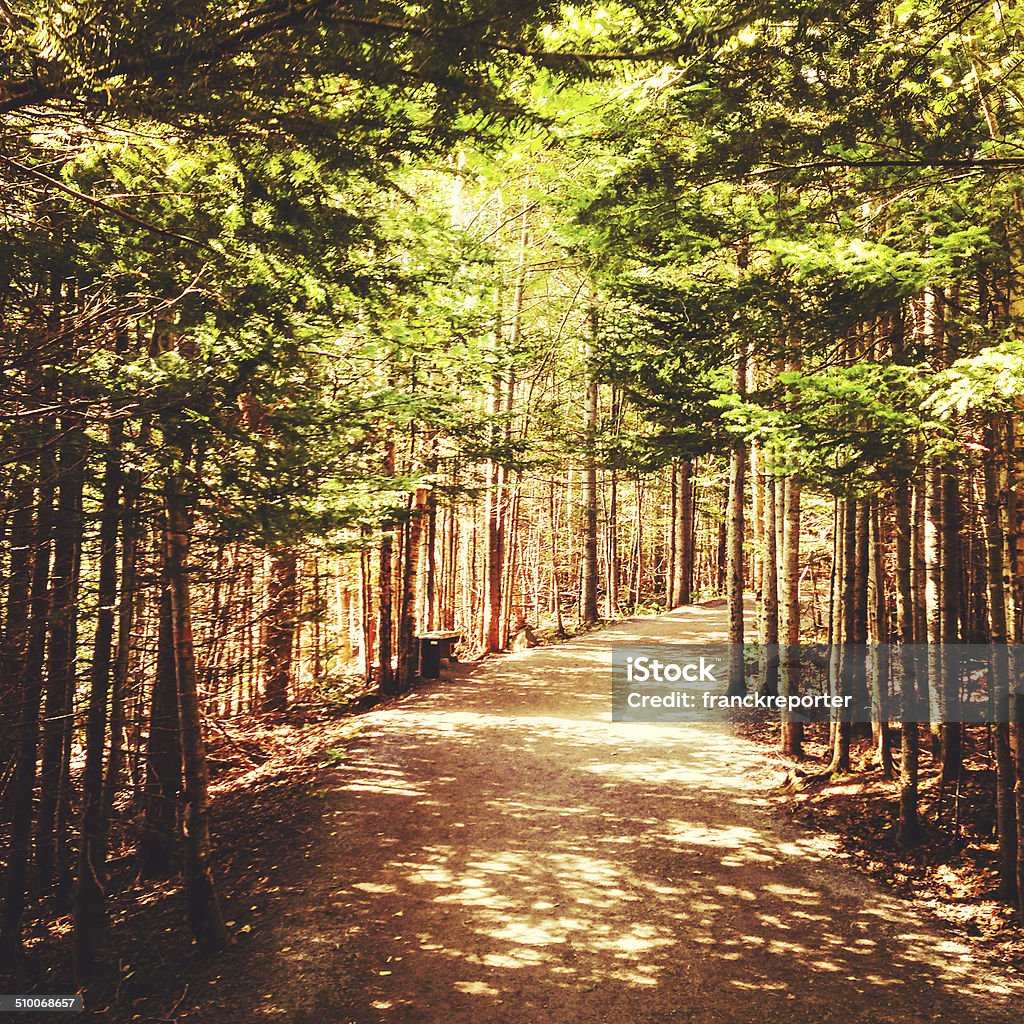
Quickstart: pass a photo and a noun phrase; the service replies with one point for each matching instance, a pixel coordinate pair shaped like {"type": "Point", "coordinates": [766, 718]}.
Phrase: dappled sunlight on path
{"type": "Point", "coordinates": [496, 849]}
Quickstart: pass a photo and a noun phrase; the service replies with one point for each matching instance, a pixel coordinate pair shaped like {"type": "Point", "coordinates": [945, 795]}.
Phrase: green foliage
{"type": "Point", "coordinates": [847, 430]}
{"type": "Point", "coordinates": [991, 381]}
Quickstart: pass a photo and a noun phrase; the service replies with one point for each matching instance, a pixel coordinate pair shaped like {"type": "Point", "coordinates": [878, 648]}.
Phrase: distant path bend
{"type": "Point", "coordinates": [497, 850]}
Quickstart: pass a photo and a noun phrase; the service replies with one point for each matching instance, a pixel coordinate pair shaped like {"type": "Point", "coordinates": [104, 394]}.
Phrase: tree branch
{"type": "Point", "coordinates": [97, 203]}
{"type": "Point", "coordinates": [994, 163]}
{"type": "Point", "coordinates": [257, 24]}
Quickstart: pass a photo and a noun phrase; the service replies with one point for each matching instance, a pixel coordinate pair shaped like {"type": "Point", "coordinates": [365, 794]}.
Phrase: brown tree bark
{"type": "Point", "coordinates": [90, 894]}
{"type": "Point", "coordinates": [52, 850]}
{"type": "Point", "coordinates": [909, 827]}
{"type": "Point", "coordinates": [590, 614]}
{"type": "Point", "coordinates": [682, 576]}
{"type": "Point", "coordinates": [282, 623]}
{"type": "Point", "coordinates": [789, 607]}
{"type": "Point", "coordinates": [952, 729]}
{"type": "Point", "coordinates": [735, 527]}
{"type": "Point", "coordinates": [769, 621]}
{"type": "Point", "coordinates": [386, 674]}
{"type": "Point", "coordinates": [842, 724]}
{"type": "Point", "coordinates": [202, 903]}
{"type": "Point", "coordinates": [877, 639]}
{"type": "Point", "coordinates": [1006, 814]}
{"type": "Point", "coordinates": [30, 691]}
{"type": "Point", "coordinates": [129, 601]}
{"type": "Point", "coordinates": [612, 560]}
{"type": "Point", "coordinates": [413, 529]}
{"type": "Point", "coordinates": [162, 785]}
{"type": "Point", "coordinates": [15, 638]}
{"type": "Point", "coordinates": [933, 533]}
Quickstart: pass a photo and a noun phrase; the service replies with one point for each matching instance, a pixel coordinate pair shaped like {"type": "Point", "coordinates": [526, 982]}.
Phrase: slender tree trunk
{"type": "Point", "coordinates": [1006, 815]}
{"type": "Point", "coordinates": [909, 828]}
{"type": "Point", "coordinates": [591, 615]}
{"type": "Point", "coordinates": [369, 636]}
{"type": "Point", "coordinates": [933, 595]}
{"type": "Point", "coordinates": [878, 640]}
{"type": "Point", "coordinates": [31, 692]}
{"type": "Point", "coordinates": [757, 519]}
{"type": "Point", "coordinates": [769, 624]}
{"type": "Point", "coordinates": [673, 518]}
{"type": "Point", "coordinates": [843, 728]}
{"type": "Point", "coordinates": [683, 545]}
{"type": "Point", "coordinates": [430, 620]}
{"type": "Point", "coordinates": [386, 678]}
{"type": "Point", "coordinates": [856, 646]}
{"type": "Point", "coordinates": [952, 727]}
{"type": "Point", "coordinates": [407, 611]}
{"type": "Point", "coordinates": [162, 786]}
{"type": "Point", "coordinates": [282, 624]}
{"type": "Point", "coordinates": [493, 519]}
{"type": "Point", "coordinates": [789, 607]}
{"type": "Point", "coordinates": [53, 856]}
{"type": "Point", "coordinates": [612, 546]}
{"type": "Point", "coordinates": [14, 644]}
{"type": "Point", "coordinates": [90, 895]}
{"type": "Point", "coordinates": [128, 603]}
{"type": "Point", "coordinates": [735, 530]}
{"type": "Point", "coordinates": [202, 904]}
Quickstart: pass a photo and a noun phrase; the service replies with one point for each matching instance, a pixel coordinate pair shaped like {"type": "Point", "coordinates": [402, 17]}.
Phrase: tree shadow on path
{"type": "Point", "coordinates": [495, 849]}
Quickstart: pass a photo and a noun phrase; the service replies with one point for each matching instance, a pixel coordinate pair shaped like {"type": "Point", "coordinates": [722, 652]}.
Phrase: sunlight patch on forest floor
{"type": "Point", "coordinates": [499, 851]}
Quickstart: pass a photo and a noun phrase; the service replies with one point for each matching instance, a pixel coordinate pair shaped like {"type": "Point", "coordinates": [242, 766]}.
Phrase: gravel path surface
{"type": "Point", "coordinates": [495, 849]}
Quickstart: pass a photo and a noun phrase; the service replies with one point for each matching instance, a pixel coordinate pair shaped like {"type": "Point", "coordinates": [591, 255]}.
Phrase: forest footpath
{"type": "Point", "coordinates": [494, 849]}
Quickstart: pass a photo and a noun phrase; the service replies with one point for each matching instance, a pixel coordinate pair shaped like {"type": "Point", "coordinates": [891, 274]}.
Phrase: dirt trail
{"type": "Point", "coordinates": [494, 850]}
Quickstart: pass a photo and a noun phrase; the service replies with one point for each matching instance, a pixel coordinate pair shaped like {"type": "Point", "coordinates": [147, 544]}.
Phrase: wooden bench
{"type": "Point", "coordinates": [433, 647]}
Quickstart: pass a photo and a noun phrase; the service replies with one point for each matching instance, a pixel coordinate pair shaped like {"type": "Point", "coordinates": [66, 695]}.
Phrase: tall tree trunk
{"type": "Point", "coordinates": [52, 851]}
{"type": "Point", "coordinates": [856, 646]}
{"type": "Point", "coordinates": [878, 638]}
{"type": "Point", "coordinates": [494, 559]}
{"type": "Point", "coordinates": [14, 643]}
{"type": "Point", "coordinates": [670, 577]}
{"type": "Point", "coordinates": [952, 727]}
{"type": "Point", "coordinates": [129, 601]}
{"type": "Point", "coordinates": [612, 547]}
{"type": "Point", "coordinates": [386, 678]}
{"type": "Point", "coordinates": [1006, 815]}
{"type": "Point", "coordinates": [90, 894]}
{"type": "Point", "coordinates": [769, 623]}
{"type": "Point", "coordinates": [789, 606]}
{"type": "Point", "coordinates": [735, 528]}
{"type": "Point", "coordinates": [843, 686]}
{"type": "Point", "coordinates": [590, 613]}
{"type": "Point", "coordinates": [1014, 521]}
{"type": "Point", "coordinates": [757, 519]}
{"type": "Point", "coordinates": [683, 542]}
{"type": "Point", "coordinates": [933, 596]}
{"type": "Point", "coordinates": [909, 828]}
{"type": "Point", "coordinates": [413, 528]}
{"type": "Point", "coordinates": [31, 692]}
{"type": "Point", "coordinates": [430, 587]}
{"type": "Point", "coordinates": [162, 787]}
{"type": "Point", "coordinates": [202, 904]}
{"type": "Point", "coordinates": [282, 623]}
{"type": "Point", "coordinates": [494, 533]}
{"type": "Point", "coordinates": [368, 623]}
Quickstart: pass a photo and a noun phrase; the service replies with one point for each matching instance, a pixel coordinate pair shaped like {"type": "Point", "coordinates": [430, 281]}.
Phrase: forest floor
{"type": "Point", "coordinates": [492, 848]}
